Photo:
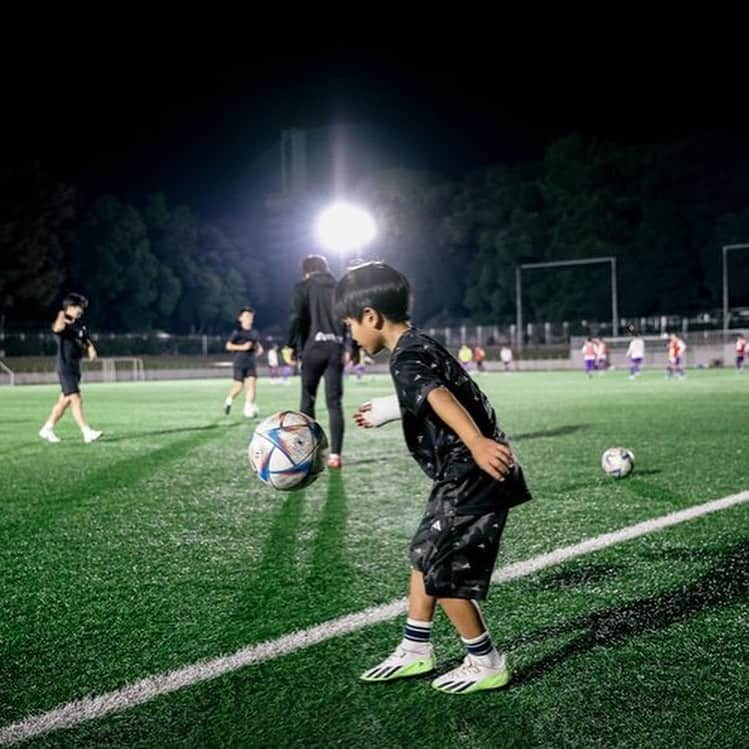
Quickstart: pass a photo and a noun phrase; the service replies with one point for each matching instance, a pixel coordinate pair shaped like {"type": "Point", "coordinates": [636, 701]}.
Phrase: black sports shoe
{"type": "Point", "coordinates": [227, 408]}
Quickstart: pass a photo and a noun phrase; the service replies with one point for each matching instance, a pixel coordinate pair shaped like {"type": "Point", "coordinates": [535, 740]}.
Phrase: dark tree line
{"type": "Point", "coordinates": [663, 210]}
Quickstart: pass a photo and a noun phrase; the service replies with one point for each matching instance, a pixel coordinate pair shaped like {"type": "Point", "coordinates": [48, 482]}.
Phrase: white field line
{"type": "Point", "coordinates": [97, 706]}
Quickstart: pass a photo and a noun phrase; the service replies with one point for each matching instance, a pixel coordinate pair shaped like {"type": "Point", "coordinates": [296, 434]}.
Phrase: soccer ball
{"type": "Point", "coordinates": [618, 462]}
{"type": "Point", "coordinates": [288, 450]}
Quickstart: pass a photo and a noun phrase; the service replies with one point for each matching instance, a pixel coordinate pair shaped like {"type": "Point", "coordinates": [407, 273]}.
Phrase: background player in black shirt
{"type": "Point", "coordinates": [316, 331]}
{"type": "Point", "coordinates": [452, 431]}
{"type": "Point", "coordinates": [245, 343]}
{"type": "Point", "coordinates": [72, 343]}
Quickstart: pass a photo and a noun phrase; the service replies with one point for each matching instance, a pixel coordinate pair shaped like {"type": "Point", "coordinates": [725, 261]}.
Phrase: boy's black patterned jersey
{"type": "Point", "coordinates": [72, 342]}
{"type": "Point", "coordinates": [418, 365]}
{"type": "Point", "coordinates": [239, 337]}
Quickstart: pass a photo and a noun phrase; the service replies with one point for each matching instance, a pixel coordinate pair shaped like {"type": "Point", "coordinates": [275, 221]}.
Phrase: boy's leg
{"type": "Point", "coordinates": [333, 397]}
{"type": "Point", "coordinates": [476, 542]}
{"type": "Point", "coordinates": [315, 361]}
{"type": "Point", "coordinates": [250, 387]}
{"type": "Point", "coordinates": [58, 410]}
{"type": "Point", "coordinates": [464, 615]}
{"type": "Point", "coordinates": [484, 666]}
{"type": "Point", "coordinates": [234, 391]}
{"type": "Point", "coordinates": [76, 404]}
{"type": "Point", "coordinates": [47, 431]}
{"type": "Point", "coordinates": [414, 655]}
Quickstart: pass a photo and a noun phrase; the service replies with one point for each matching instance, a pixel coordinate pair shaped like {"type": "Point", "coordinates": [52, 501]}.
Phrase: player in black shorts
{"type": "Point", "coordinates": [452, 432]}
{"type": "Point", "coordinates": [72, 343]}
{"type": "Point", "coordinates": [316, 331]}
{"type": "Point", "coordinates": [245, 343]}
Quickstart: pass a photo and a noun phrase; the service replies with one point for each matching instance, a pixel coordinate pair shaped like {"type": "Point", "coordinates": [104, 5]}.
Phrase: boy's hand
{"type": "Point", "coordinates": [91, 352]}
{"type": "Point", "coordinates": [360, 415]}
{"type": "Point", "coordinates": [246, 346]}
{"type": "Point", "coordinates": [377, 412]}
{"type": "Point", "coordinates": [494, 458]}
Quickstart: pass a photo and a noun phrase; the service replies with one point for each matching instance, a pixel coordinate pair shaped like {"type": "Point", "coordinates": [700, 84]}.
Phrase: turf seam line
{"type": "Point", "coordinates": [92, 707]}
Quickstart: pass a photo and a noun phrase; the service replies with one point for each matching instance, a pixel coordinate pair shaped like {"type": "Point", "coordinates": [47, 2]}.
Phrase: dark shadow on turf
{"type": "Point", "coordinates": [118, 437]}
{"type": "Point", "coordinates": [576, 577]}
{"type": "Point", "coordinates": [264, 600]}
{"type": "Point", "coordinates": [555, 432]}
{"type": "Point", "coordinates": [127, 472]}
{"type": "Point", "coordinates": [654, 492]}
{"type": "Point", "coordinates": [726, 583]}
{"type": "Point", "coordinates": [330, 574]}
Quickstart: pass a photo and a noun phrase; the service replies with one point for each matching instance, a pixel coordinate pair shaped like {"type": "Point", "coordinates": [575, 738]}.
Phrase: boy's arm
{"type": "Point", "coordinates": [60, 322]}
{"type": "Point", "coordinates": [232, 346]}
{"type": "Point", "coordinates": [494, 458]}
{"type": "Point", "coordinates": [296, 316]}
{"type": "Point", "coordinates": [377, 412]}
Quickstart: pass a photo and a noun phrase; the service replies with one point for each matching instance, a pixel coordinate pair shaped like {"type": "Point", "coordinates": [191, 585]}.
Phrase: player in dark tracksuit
{"type": "Point", "coordinates": [73, 342]}
{"type": "Point", "coordinates": [316, 332]}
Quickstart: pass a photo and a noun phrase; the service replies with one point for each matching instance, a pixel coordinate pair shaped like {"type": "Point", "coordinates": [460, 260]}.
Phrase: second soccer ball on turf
{"type": "Point", "coordinates": [618, 462]}
{"type": "Point", "coordinates": [288, 450]}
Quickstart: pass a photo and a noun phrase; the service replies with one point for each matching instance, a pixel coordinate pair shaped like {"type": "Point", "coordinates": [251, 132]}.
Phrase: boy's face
{"type": "Point", "coordinates": [74, 310]}
{"type": "Point", "coordinates": [246, 319]}
{"type": "Point", "coordinates": [367, 332]}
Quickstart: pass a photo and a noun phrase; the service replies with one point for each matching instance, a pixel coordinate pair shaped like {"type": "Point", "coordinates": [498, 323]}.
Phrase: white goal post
{"type": "Point", "coordinates": [11, 374]}
{"type": "Point", "coordinates": [133, 364]}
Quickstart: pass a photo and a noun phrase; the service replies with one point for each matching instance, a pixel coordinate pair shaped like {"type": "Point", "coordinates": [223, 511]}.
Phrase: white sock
{"type": "Point", "coordinates": [491, 660]}
{"type": "Point", "coordinates": [416, 636]}
{"type": "Point", "coordinates": [482, 650]}
{"type": "Point", "coordinates": [227, 402]}
{"type": "Point", "coordinates": [48, 426]}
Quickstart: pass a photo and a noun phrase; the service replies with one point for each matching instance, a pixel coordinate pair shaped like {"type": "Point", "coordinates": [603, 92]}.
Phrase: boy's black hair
{"type": "Point", "coordinates": [74, 299]}
{"type": "Point", "coordinates": [374, 285]}
{"type": "Point", "coordinates": [314, 264]}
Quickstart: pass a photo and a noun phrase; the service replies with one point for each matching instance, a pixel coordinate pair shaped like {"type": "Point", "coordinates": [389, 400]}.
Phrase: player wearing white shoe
{"type": "Point", "coordinates": [244, 342]}
{"type": "Point", "coordinates": [451, 430]}
{"type": "Point", "coordinates": [73, 342]}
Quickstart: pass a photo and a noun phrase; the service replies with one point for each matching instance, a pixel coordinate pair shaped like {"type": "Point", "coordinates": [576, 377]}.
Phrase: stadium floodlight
{"type": "Point", "coordinates": [344, 227]}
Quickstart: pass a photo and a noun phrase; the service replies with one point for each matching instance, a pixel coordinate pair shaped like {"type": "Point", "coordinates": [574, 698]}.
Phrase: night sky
{"type": "Point", "coordinates": [206, 133]}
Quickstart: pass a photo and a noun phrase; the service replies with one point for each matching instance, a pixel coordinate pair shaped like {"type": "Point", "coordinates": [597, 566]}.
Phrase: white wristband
{"type": "Point", "coordinates": [384, 410]}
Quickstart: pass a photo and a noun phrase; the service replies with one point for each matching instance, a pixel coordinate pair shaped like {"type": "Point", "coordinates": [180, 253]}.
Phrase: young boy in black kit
{"type": "Point", "coordinates": [451, 430]}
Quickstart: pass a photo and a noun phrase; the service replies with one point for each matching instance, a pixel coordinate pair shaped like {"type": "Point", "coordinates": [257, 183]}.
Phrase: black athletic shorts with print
{"type": "Point", "coordinates": [457, 542]}
{"type": "Point", "coordinates": [70, 379]}
{"type": "Point", "coordinates": [243, 372]}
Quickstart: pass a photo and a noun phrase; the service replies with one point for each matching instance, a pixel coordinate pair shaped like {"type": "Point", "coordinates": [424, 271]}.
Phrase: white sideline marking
{"type": "Point", "coordinates": [92, 706]}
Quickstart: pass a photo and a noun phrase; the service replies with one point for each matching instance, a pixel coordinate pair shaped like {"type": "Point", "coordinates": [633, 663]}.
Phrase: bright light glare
{"type": "Point", "coordinates": [344, 227]}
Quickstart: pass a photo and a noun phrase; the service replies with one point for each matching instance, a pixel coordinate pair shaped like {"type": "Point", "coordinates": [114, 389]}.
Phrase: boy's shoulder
{"type": "Point", "coordinates": [414, 343]}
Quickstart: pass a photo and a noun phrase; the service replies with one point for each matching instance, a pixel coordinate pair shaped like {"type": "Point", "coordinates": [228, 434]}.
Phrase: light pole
{"type": "Point", "coordinates": [726, 249]}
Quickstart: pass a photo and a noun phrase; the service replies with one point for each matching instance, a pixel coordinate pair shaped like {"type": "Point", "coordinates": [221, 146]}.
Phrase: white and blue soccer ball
{"type": "Point", "coordinates": [288, 450]}
{"type": "Point", "coordinates": [618, 462]}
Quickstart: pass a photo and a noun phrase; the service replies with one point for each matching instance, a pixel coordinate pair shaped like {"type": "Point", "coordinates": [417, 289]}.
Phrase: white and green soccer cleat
{"type": "Point", "coordinates": [473, 676]}
{"type": "Point", "coordinates": [401, 664]}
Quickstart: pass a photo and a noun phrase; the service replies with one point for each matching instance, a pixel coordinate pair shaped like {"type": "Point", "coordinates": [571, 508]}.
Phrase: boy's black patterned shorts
{"type": "Point", "coordinates": [456, 553]}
